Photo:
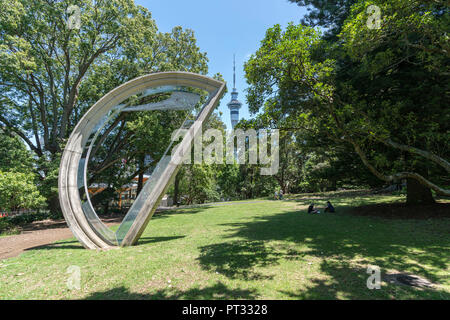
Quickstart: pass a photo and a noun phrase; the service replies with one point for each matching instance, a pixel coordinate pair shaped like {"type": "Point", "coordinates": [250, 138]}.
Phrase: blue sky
{"type": "Point", "coordinates": [222, 28]}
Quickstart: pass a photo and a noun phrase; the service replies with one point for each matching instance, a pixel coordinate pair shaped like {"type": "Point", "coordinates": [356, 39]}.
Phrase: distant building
{"type": "Point", "coordinates": [234, 105]}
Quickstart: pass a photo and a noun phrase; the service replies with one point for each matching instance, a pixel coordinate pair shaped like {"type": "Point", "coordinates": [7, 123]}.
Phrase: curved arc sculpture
{"type": "Point", "coordinates": [82, 219]}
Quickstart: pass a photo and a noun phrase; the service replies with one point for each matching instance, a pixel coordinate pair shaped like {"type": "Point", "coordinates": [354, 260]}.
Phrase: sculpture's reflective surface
{"type": "Point", "coordinates": [177, 96]}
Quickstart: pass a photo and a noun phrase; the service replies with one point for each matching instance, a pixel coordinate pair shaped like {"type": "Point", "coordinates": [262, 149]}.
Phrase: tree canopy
{"type": "Point", "coordinates": [53, 69]}
{"type": "Point", "coordinates": [19, 191]}
{"type": "Point", "coordinates": [359, 92]}
{"type": "Point", "coordinates": [380, 91]}
{"type": "Point", "coordinates": [14, 155]}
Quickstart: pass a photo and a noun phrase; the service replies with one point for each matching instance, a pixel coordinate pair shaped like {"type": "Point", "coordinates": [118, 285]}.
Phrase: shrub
{"type": "Point", "coordinates": [18, 191]}
{"type": "Point", "coordinates": [6, 227]}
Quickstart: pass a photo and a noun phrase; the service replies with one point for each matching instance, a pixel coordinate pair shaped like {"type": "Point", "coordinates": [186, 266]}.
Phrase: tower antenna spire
{"type": "Point", "coordinates": [234, 105]}
{"type": "Point", "coordinates": [234, 71]}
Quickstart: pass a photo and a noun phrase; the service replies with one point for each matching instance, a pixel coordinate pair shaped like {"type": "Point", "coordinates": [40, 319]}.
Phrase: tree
{"type": "Point", "coordinates": [406, 61]}
{"type": "Point", "coordinates": [326, 13]}
{"type": "Point", "coordinates": [19, 179]}
{"type": "Point", "coordinates": [290, 158]}
{"type": "Point", "coordinates": [362, 90]}
{"type": "Point", "coordinates": [51, 72]}
{"type": "Point", "coordinates": [228, 180]}
{"type": "Point", "coordinates": [14, 156]}
{"type": "Point", "coordinates": [18, 191]}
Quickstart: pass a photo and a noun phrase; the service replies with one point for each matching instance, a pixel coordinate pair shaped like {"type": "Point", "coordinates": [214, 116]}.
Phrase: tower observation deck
{"type": "Point", "coordinates": [234, 105]}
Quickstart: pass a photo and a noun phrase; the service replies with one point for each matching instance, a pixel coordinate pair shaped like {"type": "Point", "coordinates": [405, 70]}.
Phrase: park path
{"type": "Point", "coordinates": [42, 233]}
{"type": "Point", "coordinates": [33, 235]}
{"type": "Point", "coordinates": [38, 234]}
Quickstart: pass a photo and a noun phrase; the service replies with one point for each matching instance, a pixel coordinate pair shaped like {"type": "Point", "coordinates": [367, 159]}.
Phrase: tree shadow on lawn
{"type": "Point", "coordinates": [216, 291]}
{"type": "Point", "coordinates": [237, 259]}
{"type": "Point", "coordinates": [343, 194]}
{"type": "Point", "coordinates": [350, 282]}
{"type": "Point", "coordinates": [336, 239]}
{"type": "Point", "coordinates": [339, 202]}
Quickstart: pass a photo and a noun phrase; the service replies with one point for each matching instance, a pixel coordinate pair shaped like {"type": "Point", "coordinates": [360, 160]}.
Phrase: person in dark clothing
{"type": "Point", "coordinates": [329, 207]}
{"type": "Point", "coordinates": [312, 210]}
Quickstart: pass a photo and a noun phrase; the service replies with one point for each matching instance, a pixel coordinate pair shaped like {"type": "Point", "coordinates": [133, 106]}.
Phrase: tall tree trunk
{"type": "Point", "coordinates": [106, 207]}
{"type": "Point", "coordinates": [141, 175]}
{"type": "Point", "coordinates": [417, 193]}
{"type": "Point", "coordinates": [176, 190]}
{"type": "Point", "coordinates": [54, 206]}
{"type": "Point", "coordinates": [334, 185]}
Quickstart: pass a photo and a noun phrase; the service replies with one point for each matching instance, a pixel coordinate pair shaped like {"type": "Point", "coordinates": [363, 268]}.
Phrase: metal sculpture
{"type": "Point", "coordinates": [79, 213]}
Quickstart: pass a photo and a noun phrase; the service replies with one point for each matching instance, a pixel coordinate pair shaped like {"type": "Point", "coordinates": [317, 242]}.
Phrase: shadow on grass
{"type": "Point", "coordinates": [147, 240]}
{"type": "Point", "coordinates": [58, 245]}
{"type": "Point", "coordinates": [237, 259]}
{"type": "Point", "coordinates": [349, 282]}
{"type": "Point", "coordinates": [333, 195]}
{"type": "Point", "coordinates": [416, 247]}
{"type": "Point", "coordinates": [216, 291]}
{"type": "Point", "coordinates": [338, 202]}
{"type": "Point", "coordinates": [76, 245]}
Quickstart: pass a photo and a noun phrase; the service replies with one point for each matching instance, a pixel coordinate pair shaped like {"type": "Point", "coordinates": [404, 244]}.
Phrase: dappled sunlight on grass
{"type": "Point", "coordinates": [346, 201]}
{"type": "Point", "coordinates": [265, 250]}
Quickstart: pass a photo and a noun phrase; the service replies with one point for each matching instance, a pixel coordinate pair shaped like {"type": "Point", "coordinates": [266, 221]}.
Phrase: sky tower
{"type": "Point", "coordinates": [234, 105]}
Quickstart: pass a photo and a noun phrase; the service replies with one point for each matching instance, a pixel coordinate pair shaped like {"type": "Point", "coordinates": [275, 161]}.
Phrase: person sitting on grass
{"type": "Point", "coordinates": [329, 207]}
{"type": "Point", "coordinates": [312, 210]}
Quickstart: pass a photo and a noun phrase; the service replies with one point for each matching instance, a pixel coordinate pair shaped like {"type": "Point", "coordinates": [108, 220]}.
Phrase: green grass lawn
{"type": "Point", "coordinates": [261, 250]}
